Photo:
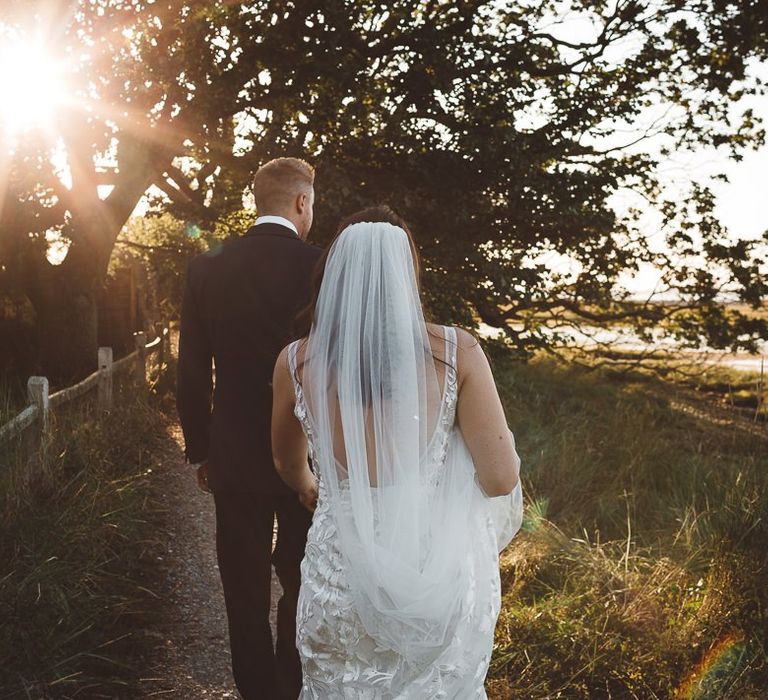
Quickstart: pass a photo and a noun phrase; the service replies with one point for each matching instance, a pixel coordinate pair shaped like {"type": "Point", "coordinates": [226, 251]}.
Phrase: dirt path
{"type": "Point", "coordinates": [189, 650]}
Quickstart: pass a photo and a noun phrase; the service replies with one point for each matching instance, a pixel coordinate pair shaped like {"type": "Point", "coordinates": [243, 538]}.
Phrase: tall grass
{"type": "Point", "coordinates": [72, 553]}
{"type": "Point", "coordinates": [642, 571]}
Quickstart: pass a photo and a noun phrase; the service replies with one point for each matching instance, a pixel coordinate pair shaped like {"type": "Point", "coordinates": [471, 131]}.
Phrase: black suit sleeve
{"type": "Point", "coordinates": [194, 382]}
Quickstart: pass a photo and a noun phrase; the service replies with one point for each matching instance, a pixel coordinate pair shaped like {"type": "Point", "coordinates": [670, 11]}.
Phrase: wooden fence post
{"type": "Point", "coordinates": [39, 436]}
{"type": "Point", "coordinates": [105, 379]}
{"type": "Point", "coordinates": [141, 358]}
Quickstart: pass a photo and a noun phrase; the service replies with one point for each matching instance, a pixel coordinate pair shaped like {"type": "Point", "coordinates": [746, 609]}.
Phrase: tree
{"type": "Point", "coordinates": [493, 131]}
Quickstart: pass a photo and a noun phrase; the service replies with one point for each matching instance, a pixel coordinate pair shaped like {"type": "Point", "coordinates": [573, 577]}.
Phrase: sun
{"type": "Point", "coordinates": [31, 87]}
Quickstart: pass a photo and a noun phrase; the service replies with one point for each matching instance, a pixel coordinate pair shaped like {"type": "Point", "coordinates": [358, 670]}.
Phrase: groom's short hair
{"type": "Point", "coordinates": [277, 182]}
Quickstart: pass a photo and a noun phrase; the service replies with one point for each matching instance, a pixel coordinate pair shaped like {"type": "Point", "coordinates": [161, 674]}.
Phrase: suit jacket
{"type": "Point", "coordinates": [238, 310]}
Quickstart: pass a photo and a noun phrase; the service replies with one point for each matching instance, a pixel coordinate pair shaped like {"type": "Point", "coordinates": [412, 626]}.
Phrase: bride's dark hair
{"type": "Point", "coordinates": [378, 213]}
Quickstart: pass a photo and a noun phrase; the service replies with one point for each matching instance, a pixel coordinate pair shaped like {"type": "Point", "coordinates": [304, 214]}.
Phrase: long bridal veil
{"type": "Point", "coordinates": [406, 508]}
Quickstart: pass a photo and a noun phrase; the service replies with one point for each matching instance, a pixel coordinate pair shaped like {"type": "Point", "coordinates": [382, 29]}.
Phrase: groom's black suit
{"type": "Point", "coordinates": [238, 310]}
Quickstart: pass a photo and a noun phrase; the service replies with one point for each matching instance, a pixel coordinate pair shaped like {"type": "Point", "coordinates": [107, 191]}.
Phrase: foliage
{"type": "Point", "coordinates": [492, 126]}
{"type": "Point", "coordinates": [641, 570]}
{"type": "Point", "coordinates": [163, 245]}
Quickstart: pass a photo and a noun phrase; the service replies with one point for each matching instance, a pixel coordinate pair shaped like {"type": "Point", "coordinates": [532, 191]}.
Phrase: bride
{"type": "Point", "coordinates": [414, 483]}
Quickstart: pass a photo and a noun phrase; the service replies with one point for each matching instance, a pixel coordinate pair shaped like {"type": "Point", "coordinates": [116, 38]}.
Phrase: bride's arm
{"type": "Point", "coordinates": [289, 444]}
{"type": "Point", "coordinates": [482, 422]}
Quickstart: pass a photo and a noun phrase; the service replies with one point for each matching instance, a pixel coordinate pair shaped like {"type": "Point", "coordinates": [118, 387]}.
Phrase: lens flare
{"type": "Point", "coordinates": [718, 666]}
{"type": "Point", "coordinates": [192, 230]}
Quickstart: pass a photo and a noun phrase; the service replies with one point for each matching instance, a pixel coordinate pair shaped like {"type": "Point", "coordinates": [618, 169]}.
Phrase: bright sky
{"type": "Point", "coordinates": [741, 204]}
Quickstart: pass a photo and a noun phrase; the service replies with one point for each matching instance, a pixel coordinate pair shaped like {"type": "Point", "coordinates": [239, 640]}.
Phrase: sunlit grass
{"type": "Point", "coordinates": [642, 570]}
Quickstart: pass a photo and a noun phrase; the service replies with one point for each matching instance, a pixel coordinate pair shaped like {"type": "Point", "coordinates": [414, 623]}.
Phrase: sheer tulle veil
{"type": "Point", "coordinates": [405, 512]}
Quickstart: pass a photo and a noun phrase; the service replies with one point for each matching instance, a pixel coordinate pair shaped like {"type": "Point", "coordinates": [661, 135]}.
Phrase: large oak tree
{"type": "Point", "coordinates": [498, 132]}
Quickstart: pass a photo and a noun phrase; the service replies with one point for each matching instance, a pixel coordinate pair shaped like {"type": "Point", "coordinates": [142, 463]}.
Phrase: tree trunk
{"type": "Point", "coordinates": [67, 332]}
{"type": "Point", "coordinates": [65, 297]}
{"type": "Point", "coordinates": [65, 301]}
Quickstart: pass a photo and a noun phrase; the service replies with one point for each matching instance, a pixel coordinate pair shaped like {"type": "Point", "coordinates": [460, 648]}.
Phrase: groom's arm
{"type": "Point", "coordinates": [194, 381]}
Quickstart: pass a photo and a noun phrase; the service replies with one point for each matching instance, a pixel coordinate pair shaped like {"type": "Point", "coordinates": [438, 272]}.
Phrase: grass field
{"type": "Point", "coordinates": [642, 570]}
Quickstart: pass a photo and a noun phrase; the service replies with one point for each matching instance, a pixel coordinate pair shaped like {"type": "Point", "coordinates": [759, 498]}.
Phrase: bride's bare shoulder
{"type": "Point", "coordinates": [282, 359]}
{"type": "Point", "coordinates": [301, 350]}
{"type": "Point", "coordinates": [466, 340]}
{"type": "Point", "coordinates": [469, 352]}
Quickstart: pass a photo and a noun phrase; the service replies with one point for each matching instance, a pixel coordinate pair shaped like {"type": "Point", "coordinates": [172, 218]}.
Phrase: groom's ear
{"type": "Point", "coordinates": [303, 201]}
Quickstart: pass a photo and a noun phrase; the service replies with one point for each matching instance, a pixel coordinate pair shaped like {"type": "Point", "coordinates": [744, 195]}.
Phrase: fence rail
{"type": "Point", "coordinates": [41, 402]}
{"type": "Point", "coordinates": [19, 423]}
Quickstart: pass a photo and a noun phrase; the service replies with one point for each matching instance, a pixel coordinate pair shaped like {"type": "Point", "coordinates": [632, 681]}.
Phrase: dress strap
{"type": "Point", "coordinates": [446, 416]}
{"type": "Point", "coordinates": [292, 356]}
{"type": "Point", "coordinates": [451, 346]}
{"type": "Point", "coordinates": [292, 351]}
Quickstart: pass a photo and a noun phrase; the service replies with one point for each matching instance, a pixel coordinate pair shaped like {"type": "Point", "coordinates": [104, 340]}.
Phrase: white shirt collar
{"type": "Point", "coordinates": [277, 220]}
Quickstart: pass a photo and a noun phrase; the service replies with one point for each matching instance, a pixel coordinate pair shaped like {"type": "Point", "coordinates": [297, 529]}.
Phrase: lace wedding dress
{"type": "Point", "coordinates": [340, 659]}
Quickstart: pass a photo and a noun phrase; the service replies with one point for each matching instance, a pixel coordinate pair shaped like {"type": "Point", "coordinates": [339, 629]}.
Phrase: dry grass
{"type": "Point", "coordinates": [642, 571]}
{"type": "Point", "coordinates": [73, 555]}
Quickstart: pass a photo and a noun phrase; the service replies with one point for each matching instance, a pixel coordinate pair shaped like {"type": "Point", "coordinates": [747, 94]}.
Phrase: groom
{"type": "Point", "coordinates": [238, 310]}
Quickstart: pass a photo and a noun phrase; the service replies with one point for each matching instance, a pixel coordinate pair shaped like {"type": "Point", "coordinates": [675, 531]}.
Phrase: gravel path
{"type": "Point", "coordinates": [189, 655]}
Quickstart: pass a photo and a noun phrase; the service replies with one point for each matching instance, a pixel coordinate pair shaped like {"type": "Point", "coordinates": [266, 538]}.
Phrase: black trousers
{"type": "Point", "coordinates": [244, 525]}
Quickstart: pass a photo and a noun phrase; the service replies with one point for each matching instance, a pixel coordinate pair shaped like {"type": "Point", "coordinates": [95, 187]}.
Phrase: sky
{"type": "Point", "coordinates": [741, 203]}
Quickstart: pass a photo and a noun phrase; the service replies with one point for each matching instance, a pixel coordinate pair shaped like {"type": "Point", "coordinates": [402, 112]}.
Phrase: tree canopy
{"type": "Point", "coordinates": [500, 130]}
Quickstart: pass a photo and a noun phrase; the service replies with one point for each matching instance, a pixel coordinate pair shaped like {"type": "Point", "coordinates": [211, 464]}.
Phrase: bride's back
{"type": "Point", "coordinates": [443, 351]}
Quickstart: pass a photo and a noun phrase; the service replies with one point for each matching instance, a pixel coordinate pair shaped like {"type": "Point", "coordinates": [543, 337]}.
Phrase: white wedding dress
{"type": "Point", "coordinates": [340, 659]}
